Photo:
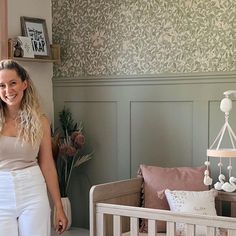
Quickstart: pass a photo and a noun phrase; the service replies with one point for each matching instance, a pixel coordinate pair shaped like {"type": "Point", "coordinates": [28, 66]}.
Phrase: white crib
{"type": "Point", "coordinates": [115, 210]}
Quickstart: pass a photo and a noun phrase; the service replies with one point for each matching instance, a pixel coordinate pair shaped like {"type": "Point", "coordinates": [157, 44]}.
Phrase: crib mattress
{"type": "Point", "coordinates": [143, 234]}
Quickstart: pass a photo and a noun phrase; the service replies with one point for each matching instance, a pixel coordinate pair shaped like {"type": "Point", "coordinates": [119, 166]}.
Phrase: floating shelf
{"type": "Point", "coordinates": [55, 54]}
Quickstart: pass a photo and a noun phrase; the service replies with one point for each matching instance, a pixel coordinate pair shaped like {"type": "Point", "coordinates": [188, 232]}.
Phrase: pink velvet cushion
{"type": "Point", "coordinates": [157, 179]}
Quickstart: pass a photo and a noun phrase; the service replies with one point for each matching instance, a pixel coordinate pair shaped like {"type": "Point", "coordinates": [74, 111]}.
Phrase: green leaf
{"type": "Point", "coordinates": [67, 122]}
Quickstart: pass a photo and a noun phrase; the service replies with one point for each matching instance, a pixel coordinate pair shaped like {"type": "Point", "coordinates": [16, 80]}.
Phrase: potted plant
{"type": "Point", "coordinates": [69, 152]}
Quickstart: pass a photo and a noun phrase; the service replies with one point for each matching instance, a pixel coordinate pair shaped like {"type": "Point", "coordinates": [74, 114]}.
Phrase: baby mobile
{"type": "Point", "coordinates": [216, 151]}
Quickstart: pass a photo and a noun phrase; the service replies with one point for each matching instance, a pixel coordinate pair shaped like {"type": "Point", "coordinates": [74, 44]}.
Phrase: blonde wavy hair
{"type": "Point", "coordinates": [29, 117]}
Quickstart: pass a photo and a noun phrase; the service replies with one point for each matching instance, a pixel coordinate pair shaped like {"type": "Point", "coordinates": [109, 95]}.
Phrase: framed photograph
{"type": "Point", "coordinates": [36, 29]}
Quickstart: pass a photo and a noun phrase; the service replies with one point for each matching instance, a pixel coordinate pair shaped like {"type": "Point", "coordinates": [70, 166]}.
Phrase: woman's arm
{"type": "Point", "coordinates": [48, 169]}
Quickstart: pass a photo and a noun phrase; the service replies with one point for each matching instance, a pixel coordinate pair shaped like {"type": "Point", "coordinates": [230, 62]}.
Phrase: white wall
{"type": "Point", "coordinates": [41, 73]}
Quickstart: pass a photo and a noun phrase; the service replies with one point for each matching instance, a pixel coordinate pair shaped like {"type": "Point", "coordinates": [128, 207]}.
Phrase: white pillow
{"type": "Point", "coordinates": [202, 202]}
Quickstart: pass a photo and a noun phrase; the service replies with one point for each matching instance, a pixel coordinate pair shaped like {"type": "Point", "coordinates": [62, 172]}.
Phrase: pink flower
{"type": "Point", "coordinates": [73, 135]}
{"type": "Point", "coordinates": [78, 139]}
{"type": "Point", "coordinates": [67, 150]}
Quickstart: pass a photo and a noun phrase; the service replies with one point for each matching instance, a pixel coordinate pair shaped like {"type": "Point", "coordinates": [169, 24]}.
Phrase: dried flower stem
{"type": "Point", "coordinates": [68, 180]}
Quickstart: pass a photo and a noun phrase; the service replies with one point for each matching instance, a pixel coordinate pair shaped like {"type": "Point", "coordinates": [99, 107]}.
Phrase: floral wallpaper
{"type": "Point", "coordinates": [131, 37]}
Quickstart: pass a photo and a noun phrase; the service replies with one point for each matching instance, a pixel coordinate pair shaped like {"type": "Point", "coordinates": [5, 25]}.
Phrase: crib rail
{"type": "Point", "coordinates": [134, 213]}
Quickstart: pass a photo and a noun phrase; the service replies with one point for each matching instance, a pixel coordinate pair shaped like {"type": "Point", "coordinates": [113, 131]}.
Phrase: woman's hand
{"type": "Point", "coordinates": [48, 169]}
{"type": "Point", "coordinates": [61, 221]}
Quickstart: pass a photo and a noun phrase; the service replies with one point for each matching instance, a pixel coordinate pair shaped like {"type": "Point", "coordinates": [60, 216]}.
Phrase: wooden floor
{"type": "Point", "coordinates": [73, 232]}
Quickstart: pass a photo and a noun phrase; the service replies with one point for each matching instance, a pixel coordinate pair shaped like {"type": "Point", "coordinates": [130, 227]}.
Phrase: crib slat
{"type": "Point", "coordinates": [211, 231]}
{"type": "Point", "coordinates": [190, 230]}
{"type": "Point", "coordinates": [171, 228]}
{"type": "Point", "coordinates": [134, 226]}
{"type": "Point", "coordinates": [117, 228]}
{"type": "Point", "coordinates": [152, 228]}
{"type": "Point", "coordinates": [231, 232]}
{"type": "Point", "coordinates": [154, 215]}
{"type": "Point", "coordinates": [100, 222]}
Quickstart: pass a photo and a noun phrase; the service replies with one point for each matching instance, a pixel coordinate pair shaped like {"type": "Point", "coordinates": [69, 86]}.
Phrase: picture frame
{"type": "Point", "coordinates": [36, 29]}
{"type": "Point", "coordinates": [23, 47]}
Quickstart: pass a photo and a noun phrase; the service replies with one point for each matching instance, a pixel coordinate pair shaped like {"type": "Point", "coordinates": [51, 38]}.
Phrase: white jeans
{"type": "Point", "coordinates": [24, 205]}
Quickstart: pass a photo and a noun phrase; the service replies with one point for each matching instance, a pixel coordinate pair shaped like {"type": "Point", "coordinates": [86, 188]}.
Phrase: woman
{"type": "Point", "coordinates": [26, 163]}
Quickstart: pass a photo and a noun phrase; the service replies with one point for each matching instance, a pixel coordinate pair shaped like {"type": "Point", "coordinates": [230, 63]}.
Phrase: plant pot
{"type": "Point", "coordinates": [67, 209]}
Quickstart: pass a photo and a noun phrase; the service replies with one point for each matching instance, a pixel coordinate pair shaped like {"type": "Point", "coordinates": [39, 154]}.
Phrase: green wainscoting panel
{"type": "Point", "coordinates": [167, 120]}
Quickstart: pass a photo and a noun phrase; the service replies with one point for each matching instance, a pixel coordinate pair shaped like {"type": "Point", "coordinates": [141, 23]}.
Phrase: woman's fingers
{"type": "Point", "coordinates": [61, 226]}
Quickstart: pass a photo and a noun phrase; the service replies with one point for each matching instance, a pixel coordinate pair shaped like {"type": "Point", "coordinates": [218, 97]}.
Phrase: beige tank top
{"type": "Point", "coordinates": [16, 156]}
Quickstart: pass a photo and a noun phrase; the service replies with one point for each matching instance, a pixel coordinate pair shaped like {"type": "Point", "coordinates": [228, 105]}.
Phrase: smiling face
{"type": "Point", "coordinates": [11, 88]}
